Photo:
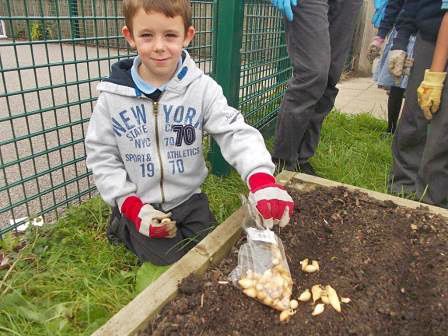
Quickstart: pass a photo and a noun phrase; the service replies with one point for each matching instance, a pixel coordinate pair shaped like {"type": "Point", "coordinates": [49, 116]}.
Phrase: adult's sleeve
{"type": "Point", "coordinates": [104, 159]}
{"type": "Point", "coordinates": [393, 8]}
{"type": "Point", "coordinates": [406, 25]}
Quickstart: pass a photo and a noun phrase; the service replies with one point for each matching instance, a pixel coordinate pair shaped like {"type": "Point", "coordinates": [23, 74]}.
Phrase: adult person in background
{"type": "Point", "coordinates": [420, 144]}
{"type": "Point", "coordinates": [380, 11]}
{"type": "Point", "coordinates": [395, 86]}
{"type": "Point", "coordinates": [318, 37]}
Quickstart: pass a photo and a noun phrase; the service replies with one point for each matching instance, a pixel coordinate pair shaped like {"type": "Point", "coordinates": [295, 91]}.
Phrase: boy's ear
{"type": "Point", "coordinates": [189, 36]}
{"type": "Point", "coordinates": [128, 36]}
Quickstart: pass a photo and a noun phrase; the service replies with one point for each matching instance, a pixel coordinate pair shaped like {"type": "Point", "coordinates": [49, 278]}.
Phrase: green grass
{"type": "Point", "coordinates": [354, 150]}
{"type": "Point", "coordinates": [69, 280]}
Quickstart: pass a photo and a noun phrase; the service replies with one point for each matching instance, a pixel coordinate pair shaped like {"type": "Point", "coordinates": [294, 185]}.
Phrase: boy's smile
{"type": "Point", "coordinates": [159, 41]}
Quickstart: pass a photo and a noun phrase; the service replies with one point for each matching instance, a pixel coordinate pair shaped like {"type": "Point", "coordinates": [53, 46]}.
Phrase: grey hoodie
{"type": "Point", "coordinates": [153, 150]}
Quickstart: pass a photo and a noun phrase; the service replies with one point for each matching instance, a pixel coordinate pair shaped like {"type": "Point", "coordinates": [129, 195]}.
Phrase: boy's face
{"type": "Point", "coordinates": [159, 41]}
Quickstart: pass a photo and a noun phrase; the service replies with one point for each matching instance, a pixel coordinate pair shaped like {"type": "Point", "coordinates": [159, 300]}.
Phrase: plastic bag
{"type": "Point", "coordinates": [262, 272]}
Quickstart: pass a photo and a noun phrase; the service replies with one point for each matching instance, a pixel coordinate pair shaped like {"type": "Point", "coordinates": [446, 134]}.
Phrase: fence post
{"type": "Point", "coordinates": [228, 37]}
{"type": "Point", "coordinates": [74, 23]}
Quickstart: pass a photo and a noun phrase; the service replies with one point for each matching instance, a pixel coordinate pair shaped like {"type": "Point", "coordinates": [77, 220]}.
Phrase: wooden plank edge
{"type": "Point", "coordinates": [212, 249]}
{"type": "Point", "coordinates": [298, 178]}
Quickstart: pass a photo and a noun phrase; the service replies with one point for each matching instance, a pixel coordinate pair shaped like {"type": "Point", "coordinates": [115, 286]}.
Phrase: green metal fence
{"type": "Point", "coordinates": [56, 53]}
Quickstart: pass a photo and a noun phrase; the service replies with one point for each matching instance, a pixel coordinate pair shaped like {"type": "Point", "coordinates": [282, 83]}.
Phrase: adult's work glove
{"type": "Point", "coordinates": [270, 199]}
{"type": "Point", "coordinates": [374, 48]}
{"type": "Point", "coordinates": [285, 6]}
{"type": "Point", "coordinates": [430, 91]}
{"type": "Point", "coordinates": [148, 221]}
{"type": "Point", "coordinates": [396, 63]}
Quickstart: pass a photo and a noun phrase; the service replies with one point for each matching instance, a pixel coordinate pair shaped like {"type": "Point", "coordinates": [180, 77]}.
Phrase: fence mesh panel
{"type": "Point", "coordinates": [55, 55]}
{"type": "Point", "coordinates": [265, 66]}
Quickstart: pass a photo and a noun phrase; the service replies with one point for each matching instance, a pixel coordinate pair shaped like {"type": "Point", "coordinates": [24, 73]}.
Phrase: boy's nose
{"type": "Point", "coordinates": [159, 44]}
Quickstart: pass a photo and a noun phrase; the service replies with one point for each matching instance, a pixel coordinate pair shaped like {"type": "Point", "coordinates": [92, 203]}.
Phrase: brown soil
{"type": "Point", "coordinates": [390, 261]}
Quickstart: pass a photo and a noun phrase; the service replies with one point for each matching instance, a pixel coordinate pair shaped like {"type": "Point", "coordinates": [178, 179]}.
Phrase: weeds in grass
{"type": "Point", "coordinates": [68, 280]}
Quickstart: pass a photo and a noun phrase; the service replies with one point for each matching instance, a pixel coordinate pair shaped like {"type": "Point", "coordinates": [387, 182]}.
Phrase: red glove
{"type": "Point", "coordinates": [271, 199]}
{"type": "Point", "coordinates": [147, 220]}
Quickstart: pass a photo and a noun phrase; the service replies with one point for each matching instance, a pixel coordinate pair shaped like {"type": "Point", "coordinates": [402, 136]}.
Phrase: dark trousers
{"type": "Point", "coordinates": [318, 41]}
{"type": "Point", "coordinates": [194, 221]}
{"type": "Point", "coordinates": [394, 107]}
{"type": "Point", "coordinates": [420, 147]}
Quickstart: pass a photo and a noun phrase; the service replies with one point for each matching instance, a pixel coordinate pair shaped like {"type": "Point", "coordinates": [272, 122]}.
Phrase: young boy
{"type": "Point", "coordinates": [144, 142]}
{"type": "Point", "coordinates": [420, 145]}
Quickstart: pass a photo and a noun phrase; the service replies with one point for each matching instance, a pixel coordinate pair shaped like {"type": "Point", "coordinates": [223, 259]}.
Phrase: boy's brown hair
{"type": "Point", "coordinates": [170, 8]}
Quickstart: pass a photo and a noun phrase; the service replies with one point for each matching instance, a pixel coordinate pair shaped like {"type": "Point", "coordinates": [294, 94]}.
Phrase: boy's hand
{"type": "Point", "coordinates": [285, 6]}
{"type": "Point", "coordinates": [147, 220]}
{"type": "Point", "coordinates": [430, 91]}
{"type": "Point", "coordinates": [374, 48]}
{"type": "Point", "coordinates": [271, 200]}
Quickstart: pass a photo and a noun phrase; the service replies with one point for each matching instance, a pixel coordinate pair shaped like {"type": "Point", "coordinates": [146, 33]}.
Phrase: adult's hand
{"type": "Point", "coordinates": [429, 92]}
{"type": "Point", "coordinates": [396, 63]}
{"type": "Point", "coordinates": [374, 48]}
{"type": "Point", "coordinates": [285, 6]}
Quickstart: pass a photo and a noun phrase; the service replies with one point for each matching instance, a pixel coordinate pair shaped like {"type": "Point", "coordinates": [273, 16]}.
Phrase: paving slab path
{"type": "Point", "coordinates": [361, 95]}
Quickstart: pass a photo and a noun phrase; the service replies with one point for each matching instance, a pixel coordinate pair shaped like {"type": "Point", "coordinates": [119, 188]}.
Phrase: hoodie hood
{"type": "Point", "coordinates": [120, 80]}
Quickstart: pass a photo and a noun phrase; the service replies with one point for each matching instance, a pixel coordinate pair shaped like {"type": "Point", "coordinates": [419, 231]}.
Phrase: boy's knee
{"type": "Point", "coordinates": [162, 259]}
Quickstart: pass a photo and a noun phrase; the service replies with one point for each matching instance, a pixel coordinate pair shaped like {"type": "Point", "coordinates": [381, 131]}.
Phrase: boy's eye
{"type": "Point", "coordinates": [146, 35]}
{"type": "Point", "coordinates": [171, 35]}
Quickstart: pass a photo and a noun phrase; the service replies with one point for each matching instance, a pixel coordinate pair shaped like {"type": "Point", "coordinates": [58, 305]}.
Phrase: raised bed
{"type": "Point", "coordinates": [384, 281]}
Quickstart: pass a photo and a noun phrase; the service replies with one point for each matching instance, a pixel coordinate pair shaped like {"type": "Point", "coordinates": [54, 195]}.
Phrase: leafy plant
{"type": "Point", "coordinates": [39, 33]}
{"type": "Point", "coordinates": [147, 274]}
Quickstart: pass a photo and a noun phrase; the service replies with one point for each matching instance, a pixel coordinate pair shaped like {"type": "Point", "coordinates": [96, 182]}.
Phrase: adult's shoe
{"type": "Point", "coordinates": [307, 168]}
{"type": "Point", "coordinates": [281, 165]}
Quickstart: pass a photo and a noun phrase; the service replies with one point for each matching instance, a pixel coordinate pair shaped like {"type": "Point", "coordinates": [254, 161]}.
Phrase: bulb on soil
{"type": "Point", "coordinates": [318, 309]}
{"type": "Point", "coordinates": [311, 268]}
{"type": "Point", "coordinates": [305, 296]}
{"type": "Point", "coordinates": [293, 304]}
{"type": "Point", "coordinates": [316, 291]}
{"type": "Point", "coordinates": [286, 314]}
{"type": "Point", "coordinates": [304, 263]}
{"type": "Point", "coordinates": [324, 298]}
{"type": "Point", "coordinates": [345, 300]}
{"type": "Point", "coordinates": [333, 297]}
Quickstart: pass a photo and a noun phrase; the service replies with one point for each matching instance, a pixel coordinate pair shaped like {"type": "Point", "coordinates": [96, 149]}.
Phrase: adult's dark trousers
{"type": "Point", "coordinates": [318, 41]}
{"type": "Point", "coordinates": [194, 221]}
{"type": "Point", "coordinates": [420, 147]}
